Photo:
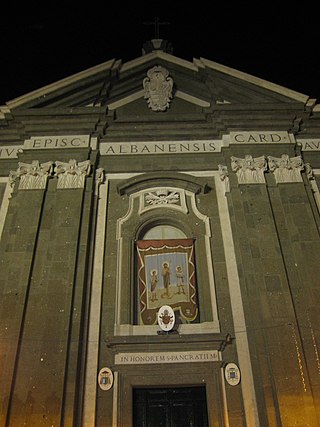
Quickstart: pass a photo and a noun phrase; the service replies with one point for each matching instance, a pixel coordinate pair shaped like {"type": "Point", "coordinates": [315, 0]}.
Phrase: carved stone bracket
{"type": "Point", "coordinates": [285, 168]}
{"type": "Point", "coordinates": [224, 176]}
{"type": "Point", "coordinates": [158, 88]}
{"type": "Point", "coordinates": [249, 170]}
{"type": "Point", "coordinates": [100, 175]}
{"type": "Point", "coordinates": [72, 174]}
{"type": "Point", "coordinates": [31, 176]}
{"type": "Point", "coordinates": [309, 172]}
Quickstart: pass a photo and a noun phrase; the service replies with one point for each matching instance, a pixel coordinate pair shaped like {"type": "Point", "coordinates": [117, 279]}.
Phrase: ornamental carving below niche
{"type": "Point", "coordinates": [162, 197]}
{"type": "Point", "coordinates": [158, 88]}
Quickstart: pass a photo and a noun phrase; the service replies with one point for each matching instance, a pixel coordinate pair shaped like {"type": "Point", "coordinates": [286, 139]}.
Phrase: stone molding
{"type": "Point", "coordinates": [249, 170]}
{"type": "Point", "coordinates": [285, 168]}
{"type": "Point", "coordinates": [158, 88]}
{"type": "Point", "coordinates": [72, 174]}
{"type": "Point", "coordinates": [32, 176]}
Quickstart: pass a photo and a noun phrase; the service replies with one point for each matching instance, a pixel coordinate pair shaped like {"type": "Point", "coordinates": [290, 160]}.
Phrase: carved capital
{"type": "Point", "coordinates": [32, 176]}
{"type": "Point", "coordinates": [285, 168]}
{"type": "Point", "coordinates": [158, 88]}
{"type": "Point", "coordinates": [72, 174]}
{"type": "Point", "coordinates": [249, 170]}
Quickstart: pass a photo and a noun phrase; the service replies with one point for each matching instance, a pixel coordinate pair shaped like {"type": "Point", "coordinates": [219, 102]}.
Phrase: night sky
{"type": "Point", "coordinates": [41, 46]}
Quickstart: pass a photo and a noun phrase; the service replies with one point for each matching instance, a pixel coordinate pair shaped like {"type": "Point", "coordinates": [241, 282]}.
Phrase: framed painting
{"type": "Point", "coordinates": [166, 276]}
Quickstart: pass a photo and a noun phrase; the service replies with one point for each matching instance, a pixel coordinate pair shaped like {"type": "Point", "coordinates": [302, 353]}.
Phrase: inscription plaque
{"type": "Point", "coordinates": [169, 357]}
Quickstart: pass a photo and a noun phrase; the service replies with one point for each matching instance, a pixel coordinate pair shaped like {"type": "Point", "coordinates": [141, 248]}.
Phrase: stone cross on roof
{"type": "Point", "coordinates": [156, 22]}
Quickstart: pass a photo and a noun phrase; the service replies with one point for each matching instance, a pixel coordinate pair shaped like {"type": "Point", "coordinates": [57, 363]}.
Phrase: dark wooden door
{"type": "Point", "coordinates": [170, 407]}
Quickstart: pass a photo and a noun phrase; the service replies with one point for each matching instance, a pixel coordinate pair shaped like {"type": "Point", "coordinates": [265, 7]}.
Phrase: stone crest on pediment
{"type": "Point", "coordinates": [158, 88]}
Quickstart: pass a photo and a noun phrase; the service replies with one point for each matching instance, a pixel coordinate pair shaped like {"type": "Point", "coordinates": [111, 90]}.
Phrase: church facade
{"type": "Point", "coordinates": [159, 252]}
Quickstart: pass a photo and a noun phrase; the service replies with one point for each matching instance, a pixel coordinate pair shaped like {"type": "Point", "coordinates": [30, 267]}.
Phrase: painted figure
{"type": "Point", "coordinates": [180, 279]}
{"type": "Point", "coordinates": [166, 279]}
{"type": "Point", "coordinates": [154, 283]}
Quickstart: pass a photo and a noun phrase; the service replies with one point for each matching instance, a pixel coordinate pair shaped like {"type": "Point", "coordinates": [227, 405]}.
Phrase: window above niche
{"type": "Point", "coordinates": [160, 232]}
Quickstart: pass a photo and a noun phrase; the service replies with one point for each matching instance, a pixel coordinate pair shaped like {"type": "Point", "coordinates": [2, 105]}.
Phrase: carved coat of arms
{"type": "Point", "coordinates": [158, 88]}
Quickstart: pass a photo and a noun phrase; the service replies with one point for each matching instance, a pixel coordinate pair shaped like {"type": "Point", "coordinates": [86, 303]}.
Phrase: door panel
{"type": "Point", "coordinates": [170, 407]}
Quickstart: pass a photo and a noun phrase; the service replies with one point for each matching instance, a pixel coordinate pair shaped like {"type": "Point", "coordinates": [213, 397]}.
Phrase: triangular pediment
{"type": "Point", "coordinates": [202, 84]}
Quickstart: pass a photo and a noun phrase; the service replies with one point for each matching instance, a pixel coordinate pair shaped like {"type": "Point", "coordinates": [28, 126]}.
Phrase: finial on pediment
{"type": "Point", "coordinates": [157, 43]}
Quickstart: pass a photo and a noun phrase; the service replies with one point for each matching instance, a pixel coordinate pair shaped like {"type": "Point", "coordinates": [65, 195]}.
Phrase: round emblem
{"type": "Point", "coordinates": [232, 374]}
{"type": "Point", "coordinates": [105, 378]}
{"type": "Point", "coordinates": [166, 318]}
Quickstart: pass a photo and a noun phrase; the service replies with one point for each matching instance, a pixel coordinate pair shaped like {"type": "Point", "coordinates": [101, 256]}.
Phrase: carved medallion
{"type": "Point", "coordinates": [166, 318]}
{"type": "Point", "coordinates": [232, 374]}
{"type": "Point", "coordinates": [158, 88]}
{"type": "Point", "coordinates": [105, 379]}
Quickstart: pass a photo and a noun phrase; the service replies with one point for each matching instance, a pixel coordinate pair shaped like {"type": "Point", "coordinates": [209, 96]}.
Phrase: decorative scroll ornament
{"type": "Point", "coordinates": [72, 174]}
{"type": "Point", "coordinates": [249, 170]}
{"type": "Point", "coordinates": [224, 176]}
{"type": "Point", "coordinates": [285, 168]}
{"type": "Point", "coordinates": [162, 197]}
{"type": "Point", "coordinates": [32, 176]}
{"type": "Point", "coordinates": [158, 88]}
